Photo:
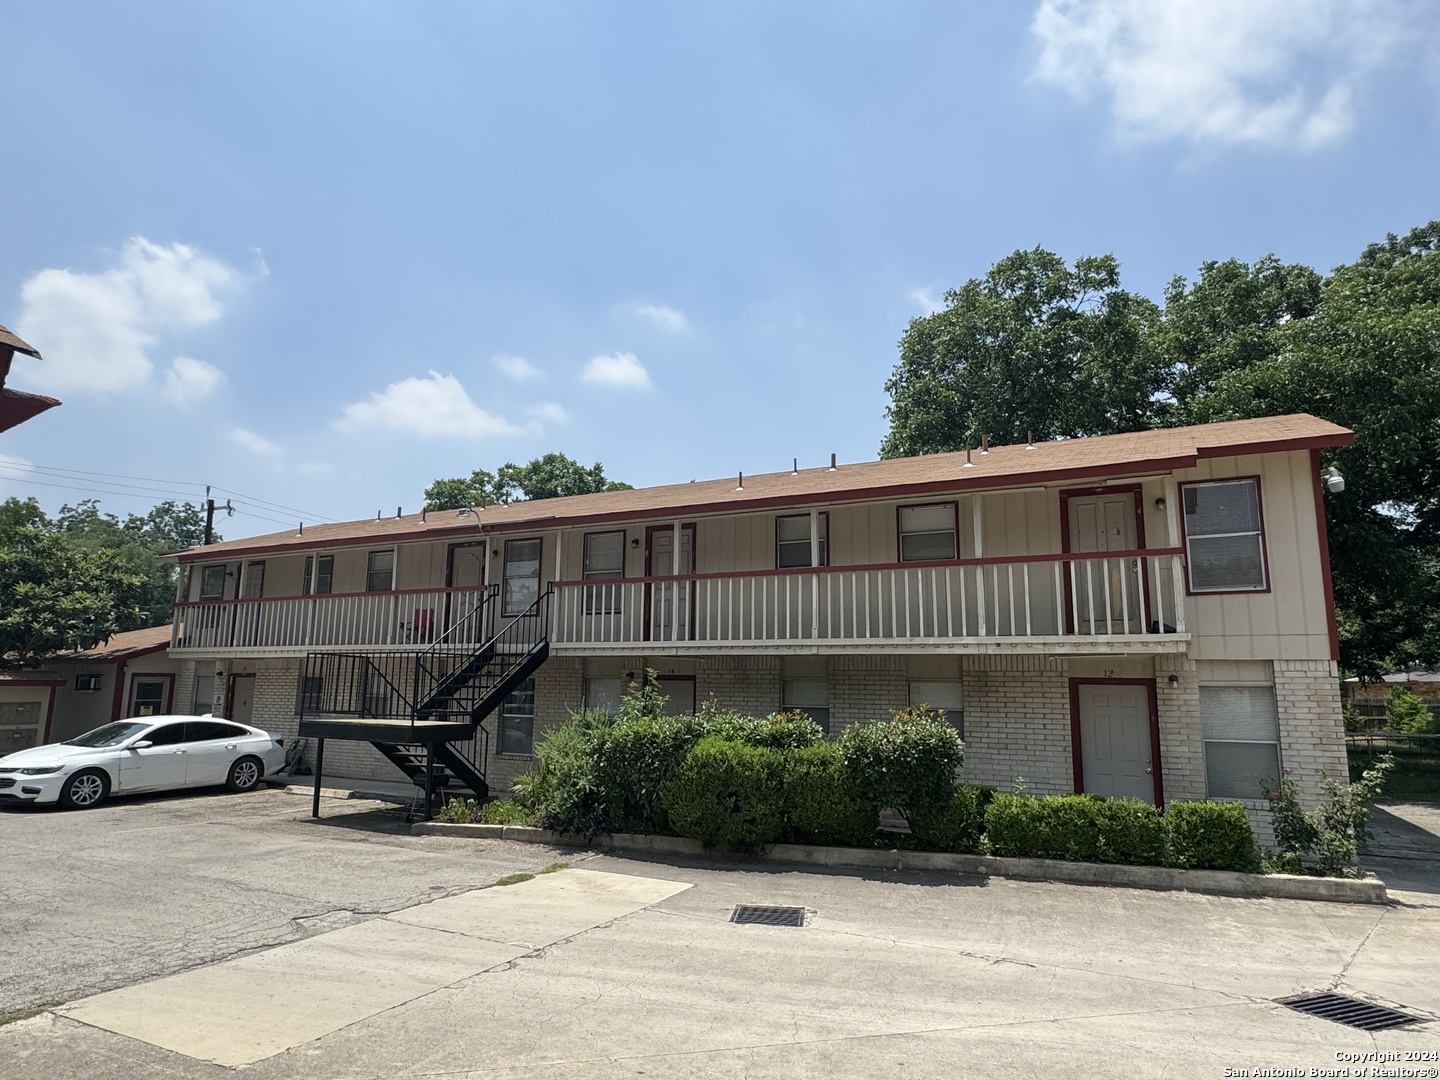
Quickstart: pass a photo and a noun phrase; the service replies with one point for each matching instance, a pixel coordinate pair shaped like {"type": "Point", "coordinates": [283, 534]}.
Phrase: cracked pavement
{"type": "Point", "coordinates": [894, 975]}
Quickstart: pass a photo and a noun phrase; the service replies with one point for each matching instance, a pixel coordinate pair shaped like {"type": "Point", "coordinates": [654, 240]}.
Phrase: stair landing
{"type": "Point", "coordinates": [374, 729]}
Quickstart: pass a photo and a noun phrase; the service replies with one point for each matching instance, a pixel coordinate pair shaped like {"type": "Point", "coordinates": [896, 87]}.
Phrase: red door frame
{"type": "Point", "coordinates": [689, 527]}
{"type": "Point", "coordinates": [169, 678]}
{"type": "Point", "coordinates": [1076, 758]}
{"type": "Point", "coordinates": [1136, 493]}
{"type": "Point", "coordinates": [230, 694]}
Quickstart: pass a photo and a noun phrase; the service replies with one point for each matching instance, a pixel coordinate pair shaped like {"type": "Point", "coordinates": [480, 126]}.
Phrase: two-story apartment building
{"type": "Point", "coordinates": [1145, 614]}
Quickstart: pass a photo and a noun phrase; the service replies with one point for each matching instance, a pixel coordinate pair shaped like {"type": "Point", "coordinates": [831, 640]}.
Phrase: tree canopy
{"type": "Point", "coordinates": [548, 477]}
{"type": "Point", "coordinates": [1039, 346]}
{"type": "Point", "coordinates": [73, 580]}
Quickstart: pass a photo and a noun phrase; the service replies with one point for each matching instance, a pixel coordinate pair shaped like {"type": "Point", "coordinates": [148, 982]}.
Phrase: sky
{"type": "Point", "coordinates": [318, 255]}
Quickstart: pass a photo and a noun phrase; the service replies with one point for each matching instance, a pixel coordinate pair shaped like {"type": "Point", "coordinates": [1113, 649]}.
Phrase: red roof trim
{"type": "Point", "coordinates": [1313, 442]}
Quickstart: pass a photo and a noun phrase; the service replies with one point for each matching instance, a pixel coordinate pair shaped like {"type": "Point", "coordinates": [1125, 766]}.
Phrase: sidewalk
{"type": "Point", "coordinates": [344, 787]}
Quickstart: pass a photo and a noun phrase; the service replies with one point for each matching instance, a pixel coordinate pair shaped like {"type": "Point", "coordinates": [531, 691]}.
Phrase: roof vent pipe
{"type": "Point", "coordinates": [833, 466]}
{"type": "Point", "coordinates": [398, 513]}
{"type": "Point", "coordinates": [984, 445]}
{"type": "Point", "coordinates": [968, 463]}
{"type": "Point", "coordinates": [1029, 440]}
{"type": "Point", "coordinates": [740, 482]}
{"type": "Point", "coordinates": [795, 466]}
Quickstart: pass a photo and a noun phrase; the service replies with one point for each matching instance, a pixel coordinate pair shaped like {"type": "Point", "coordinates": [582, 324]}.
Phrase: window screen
{"type": "Point", "coordinates": [522, 575]}
{"type": "Point", "coordinates": [792, 540]}
{"type": "Point", "coordinates": [927, 533]}
{"type": "Point", "coordinates": [604, 560]}
{"type": "Point", "coordinates": [810, 696]}
{"type": "Point", "coordinates": [940, 697]}
{"type": "Point", "coordinates": [1241, 732]}
{"type": "Point", "coordinates": [517, 720]}
{"type": "Point", "coordinates": [320, 575]}
{"type": "Point", "coordinates": [380, 571]}
{"type": "Point", "coordinates": [1223, 536]}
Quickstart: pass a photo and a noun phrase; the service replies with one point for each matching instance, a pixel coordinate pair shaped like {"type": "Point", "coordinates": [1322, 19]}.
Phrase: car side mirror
{"type": "Point", "coordinates": [141, 745]}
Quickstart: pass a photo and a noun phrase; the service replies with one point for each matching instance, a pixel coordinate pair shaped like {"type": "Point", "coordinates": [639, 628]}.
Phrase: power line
{"type": "Point", "coordinates": [273, 505]}
{"type": "Point", "coordinates": [149, 496]}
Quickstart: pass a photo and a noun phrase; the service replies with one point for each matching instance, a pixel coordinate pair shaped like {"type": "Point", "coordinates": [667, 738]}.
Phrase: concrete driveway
{"type": "Point", "coordinates": [626, 968]}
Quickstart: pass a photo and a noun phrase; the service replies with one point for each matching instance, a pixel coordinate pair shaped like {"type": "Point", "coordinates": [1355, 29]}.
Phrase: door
{"type": "Point", "coordinates": [157, 766]}
{"type": "Point", "coordinates": [670, 608]}
{"type": "Point", "coordinates": [242, 698]}
{"type": "Point", "coordinates": [149, 696]}
{"type": "Point", "coordinates": [467, 572]}
{"type": "Point", "coordinates": [1105, 595]}
{"type": "Point", "coordinates": [210, 747]}
{"type": "Point", "coordinates": [20, 725]}
{"type": "Point", "coordinates": [1117, 753]}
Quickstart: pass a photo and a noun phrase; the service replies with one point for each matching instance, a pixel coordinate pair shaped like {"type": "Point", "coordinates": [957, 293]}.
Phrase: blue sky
{"type": "Point", "coordinates": [322, 254]}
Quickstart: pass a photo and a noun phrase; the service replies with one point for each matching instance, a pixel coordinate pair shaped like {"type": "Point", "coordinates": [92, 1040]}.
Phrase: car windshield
{"type": "Point", "coordinates": [108, 735]}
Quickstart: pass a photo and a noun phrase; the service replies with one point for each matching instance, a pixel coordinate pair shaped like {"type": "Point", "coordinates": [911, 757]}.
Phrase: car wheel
{"type": "Point", "coordinates": [85, 790]}
{"type": "Point", "coordinates": [244, 774]}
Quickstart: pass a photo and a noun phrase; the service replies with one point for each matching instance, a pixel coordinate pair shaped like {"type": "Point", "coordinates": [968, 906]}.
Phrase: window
{"type": "Point", "coordinates": [319, 575]}
{"type": "Point", "coordinates": [517, 720]}
{"type": "Point", "coordinates": [604, 560]}
{"type": "Point", "coordinates": [604, 693]}
{"type": "Point", "coordinates": [810, 696]}
{"type": "Point", "coordinates": [522, 575]}
{"type": "Point", "coordinates": [792, 540]}
{"type": "Point", "coordinates": [380, 571]}
{"type": "Point", "coordinates": [941, 697]}
{"type": "Point", "coordinates": [1223, 538]}
{"type": "Point", "coordinates": [204, 694]}
{"type": "Point", "coordinates": [679, 691]}
{"type": "Point", "coordinates": [87, 683]}
{"type": "Point", "coordinates": [204, 730]}
{"type": "Point", "coordinates": [167, 735]}
{"type": "Point", "coordinates": [312, 693]}
{"type": "Point", "coordinates": [212, 582]}
{"type": "Point", "coordinates": [927, 533]}
{"type": "Point", "coordinates": [147, 697]}
{"type": "Point", "coordinates": [1241, 732]}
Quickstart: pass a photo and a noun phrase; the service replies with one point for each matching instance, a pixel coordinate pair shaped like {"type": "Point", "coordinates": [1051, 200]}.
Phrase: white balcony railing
{"type": "Point", "coordinates": [373, 620]}
{"type": "Point", "coordinates": [1134, 594]}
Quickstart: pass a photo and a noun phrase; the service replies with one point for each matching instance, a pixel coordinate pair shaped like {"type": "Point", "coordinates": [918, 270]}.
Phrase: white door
{"type": "Point", "coordinates": [467, 571]}
{"type": "Point", "coordinates": [1115, 750]}
{"type": "Point", "coordinates": [1107, 592]}
{"type": "Point", "coordinates": [242, 698]}
{"type": "Point", "coordinates": [157, 766]}
{"type": "Point", "coordinates": [670, 600]}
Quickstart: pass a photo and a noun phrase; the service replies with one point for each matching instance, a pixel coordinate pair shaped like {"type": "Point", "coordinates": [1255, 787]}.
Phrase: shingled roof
{"type": "Point", "coordinates": [1005, 466]}
{"type": "Point", "coordinates": [14, 341]}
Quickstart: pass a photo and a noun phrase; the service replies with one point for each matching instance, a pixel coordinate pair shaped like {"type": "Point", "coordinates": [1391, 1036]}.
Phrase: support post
{"type": "Point", "coordinates": [319, 768]}
{"type": "Point", "coordinates": [814, 578]}
{"type": "Point", "coordinates": [429, 778]}
{"type": "Point", "coordinates": [675, 569]}
{"type": "Point", "coordinates": [979, 530]}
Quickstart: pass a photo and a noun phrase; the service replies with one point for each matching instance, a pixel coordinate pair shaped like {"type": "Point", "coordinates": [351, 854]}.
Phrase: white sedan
{"type": "Point", "coordinates": [157, 753]}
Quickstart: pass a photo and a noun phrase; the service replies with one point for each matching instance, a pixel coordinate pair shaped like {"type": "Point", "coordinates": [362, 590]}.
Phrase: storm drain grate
{"type": "Point", "coordinates": [768, 915]}
{"type": "Point", "coordinates": [1349, 1011]}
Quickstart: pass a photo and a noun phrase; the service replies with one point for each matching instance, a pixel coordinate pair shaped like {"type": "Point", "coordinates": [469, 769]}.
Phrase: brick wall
{"type": "Point", "coordinates": [1312, 735]}
{"type": "Point", "coordinates": [746, 684]}
{"type": "Point", "coordinates": [559, 690]}
{"type": "Point", "coordinates": [866, 688]}
{"type": "Point", "coordinates": [1182, 757]}
{"type": "Point", "coordinates": [1017, 723]}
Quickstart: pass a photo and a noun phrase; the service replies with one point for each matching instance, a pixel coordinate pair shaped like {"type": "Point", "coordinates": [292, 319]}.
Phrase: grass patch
{"type": "Point", "coordinates": [26, 1014]}
{"type": "Point", "coordinates": [515, 879]}
{"type": "Point", "coordinates": [1417, 769]}
{"type": "Point", "coordinates": [554, 866]}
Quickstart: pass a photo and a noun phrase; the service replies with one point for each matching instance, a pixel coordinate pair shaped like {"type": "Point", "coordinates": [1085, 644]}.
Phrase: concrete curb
{"type": "Point", "coordinates": [1164, 878]}
{"type": "Point", "coordinates": [348, 793]}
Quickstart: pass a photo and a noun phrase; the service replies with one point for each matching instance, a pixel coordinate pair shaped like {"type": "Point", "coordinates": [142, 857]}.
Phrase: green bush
{"type": "Point", "coordinates": [782, 731]}
{"type": "Point", "coordinates": [633, 758]}
{"type": "Point", "coordinates": [506, 812]}
{"type": "Point", "coordinates": [1325, 840]}
{"type": "Point", "coordinates": [457, 812]}
{"type": "Point", "coordinates": [907, 762]}
{"type": "Point", "coordinates": [562, 793]}
{"type": "Point", "coordinates": [957, 825]}
{"type": "Point", "coordinates": [1407, 713]}
{"type": "Point", "coordinates": [1080, 828]}
{"type": "Point", "coordinates": [821, 806]}
{"type": "Point", "coordinates": [1210, 836]}
{"type": "Point", "coordinates": [727, 794]}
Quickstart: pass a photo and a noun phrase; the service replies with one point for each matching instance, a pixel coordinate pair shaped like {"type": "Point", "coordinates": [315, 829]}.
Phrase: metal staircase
{"type": "Point", "coordinates": [426, 710]}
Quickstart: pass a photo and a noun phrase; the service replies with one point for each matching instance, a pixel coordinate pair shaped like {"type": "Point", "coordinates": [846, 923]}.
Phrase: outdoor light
{"type": "Point", "coordinates": [1173, 680]}
{"type": "Point", "coordinates": [1160, 503]}
{"type": "Point", "coordinates": [1334, 482]}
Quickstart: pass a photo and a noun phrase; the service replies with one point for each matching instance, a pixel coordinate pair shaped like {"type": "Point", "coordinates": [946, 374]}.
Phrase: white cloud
{"type": "Point", "coordinates": [96, 330]}
{"type": "Point", "coordinates": [516, 367]}
{"type": "Point", "coordinates": [256, 444]}
{"type": "Point", "coordinates": [189, 380]}
{"type": "Point", "coordinates": [617, 369]}
{"type": "Point", "coordinates": [1270, 72]}
{"type": "Point", "coordinates": [550, 411]}
{"type": "Point", "coordinates": [437, 405]}
{"type": "Point", "coordinates": [665, 318]}
{"type": "Point", "coordinates": [926, 299]}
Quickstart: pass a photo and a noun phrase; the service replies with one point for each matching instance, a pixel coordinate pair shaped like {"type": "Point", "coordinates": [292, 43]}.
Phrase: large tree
{"type": "Point", "coordinates": [1036, 347]}
{"type": "Point", "coordinates": [548, 477]}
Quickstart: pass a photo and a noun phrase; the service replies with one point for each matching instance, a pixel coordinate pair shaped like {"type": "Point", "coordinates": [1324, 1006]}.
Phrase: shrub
{"type": "Point", "coordinates": [782, 731]}
{"type": "Point", "coordinates": [1407, 713]}
{"type": "Point", "coordinates": [1080, 828]}
{"type": "Point", "coordinates": [458, 812]}
{"type": "Point", "coordinates": [907, 762]}
{"type": "Point", "coordinates": [1210, 836]}
{"type": "Point", "coordinates": [727, 794]}
{"type": "Point", "coordinates": [562, 793]}
{"type": "Point", "coordinates": [956, 825]}
{"type": "Point", "coordinates": [1352, 718]}
{"type": "Point", "coordinates": [821, 806]}
{"type": "Point", "coordinates": [633, 758]}
{"type": "Point", "coordinates": [506, 812]}
{"type": "Point", "coordinates": [1326, 839]}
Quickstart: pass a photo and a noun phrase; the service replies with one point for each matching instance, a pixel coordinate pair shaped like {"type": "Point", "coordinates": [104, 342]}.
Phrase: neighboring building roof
{"type": "Point", "coordinates": [120, 647]}
{"type": "Point", "coordinates": [16, 407]}
{"type": "Point", "coordinates": [14, 341]}
{"type": "Point", "coordinates": [29, 677]}
{"type": "Point", "coordinates": [1005, 466]}
{"type": "Point", "coordinates": [1405, 677]}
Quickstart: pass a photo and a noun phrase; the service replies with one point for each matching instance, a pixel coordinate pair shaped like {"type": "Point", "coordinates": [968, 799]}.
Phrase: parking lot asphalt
{"type": "Point", "coordinates": [893, 975]}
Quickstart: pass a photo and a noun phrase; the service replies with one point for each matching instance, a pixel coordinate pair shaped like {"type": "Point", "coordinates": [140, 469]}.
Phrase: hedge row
{"type": "Point", "coordinates": [740, 783]}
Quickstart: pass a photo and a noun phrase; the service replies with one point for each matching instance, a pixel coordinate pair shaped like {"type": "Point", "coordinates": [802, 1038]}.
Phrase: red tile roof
{"type": "Point", "coordinates": [1005, 466]}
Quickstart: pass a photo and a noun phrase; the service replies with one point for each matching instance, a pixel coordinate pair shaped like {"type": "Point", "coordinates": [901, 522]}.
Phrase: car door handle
{"type": "Point", "coordinates": [179, 751]}
{"type": "Point", "coordinates": [230, 746]}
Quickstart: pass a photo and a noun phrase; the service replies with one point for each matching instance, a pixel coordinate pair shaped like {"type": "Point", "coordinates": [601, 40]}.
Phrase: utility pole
{"type": "Point", "coordinates": [210, 515]}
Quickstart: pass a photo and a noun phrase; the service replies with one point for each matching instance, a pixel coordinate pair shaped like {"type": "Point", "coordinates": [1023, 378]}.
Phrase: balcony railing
{"type": "Point", "coordinates": [378, 619]}
{"type": "Point", "coordinates": [1109, 595]}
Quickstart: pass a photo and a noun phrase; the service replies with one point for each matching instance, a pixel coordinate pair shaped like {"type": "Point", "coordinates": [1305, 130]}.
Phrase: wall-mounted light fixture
{"type": "Point", "coordinates": [1334, 482]}
{"type": "Point", "coordinates": [635, 541]}
{"type": "Point", "coordinates": [1173, 680]}
{"type": "Point", "coordinates": [1160, 503]}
